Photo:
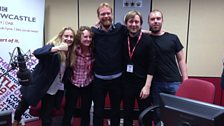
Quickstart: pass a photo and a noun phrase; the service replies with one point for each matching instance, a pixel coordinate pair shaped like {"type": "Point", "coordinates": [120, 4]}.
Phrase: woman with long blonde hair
{"type": "Point", "coordinates": [46, 84]}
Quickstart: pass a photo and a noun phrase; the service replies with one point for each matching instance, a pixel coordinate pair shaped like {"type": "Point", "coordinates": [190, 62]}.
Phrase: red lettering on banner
{"type": "Point", "coordinates": [5, 80]}
{"type": "Point", "coordinates": [8, 84]}
{"type": "Point", "coordinates": [4, 96]}
{"type": "Point", "coordinates": [11, 86]}
{"type": "Point", "coordinates": [13, 73]}
{"type": "Point", "coordinates": [2, 90]}
{"type": "Point", "coordinates": [5, 64]}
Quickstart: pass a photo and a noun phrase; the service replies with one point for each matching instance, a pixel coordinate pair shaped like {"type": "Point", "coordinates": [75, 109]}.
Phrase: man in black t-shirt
{"type": "Point", "coordinates": [171, 67]}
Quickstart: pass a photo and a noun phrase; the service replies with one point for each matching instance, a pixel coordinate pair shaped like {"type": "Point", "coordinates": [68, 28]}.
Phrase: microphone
{"type": "Point", "coordinates": [23, 74]}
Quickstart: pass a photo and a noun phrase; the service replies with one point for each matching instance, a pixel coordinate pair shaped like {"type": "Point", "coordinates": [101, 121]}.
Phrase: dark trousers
{"type": "Point", "coordinates": [100, 90]}
{"type": "Point", "coordinates": [48, 103]}
{"type": "Point", "coordinates": [21, 108]}
{"type": "Point", "coordinates": [132, 88]}
{"type": "Point", "coordinates": [46, 109]}
{"type": "Point", "coordinates": [72, 93]}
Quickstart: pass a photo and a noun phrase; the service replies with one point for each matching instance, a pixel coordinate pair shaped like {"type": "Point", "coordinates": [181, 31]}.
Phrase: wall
{"type": "Point", "coordinates": [121, 10]}
{"type": "Point", "coordinates": [59, 14]}
{"type": "Point", "coordinates": [206, 48]}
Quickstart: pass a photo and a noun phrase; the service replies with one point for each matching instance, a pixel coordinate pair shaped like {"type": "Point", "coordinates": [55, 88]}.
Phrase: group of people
{"type": "Point", "coordinates": [120, 60]}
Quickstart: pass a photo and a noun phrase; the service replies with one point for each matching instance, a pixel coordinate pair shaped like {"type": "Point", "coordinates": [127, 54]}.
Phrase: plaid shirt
{"type": "Point", "coordinates": [83, 73]}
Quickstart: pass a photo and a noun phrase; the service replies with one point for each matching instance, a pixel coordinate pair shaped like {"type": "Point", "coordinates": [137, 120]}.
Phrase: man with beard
{"type": "Point", "coordinates": [108, 39]}
{"type": "Point", "coordinates": [167, 77]}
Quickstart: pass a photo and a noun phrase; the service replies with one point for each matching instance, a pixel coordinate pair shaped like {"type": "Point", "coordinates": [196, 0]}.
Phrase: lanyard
{"type": "Point", "coordinates": [129, 46]}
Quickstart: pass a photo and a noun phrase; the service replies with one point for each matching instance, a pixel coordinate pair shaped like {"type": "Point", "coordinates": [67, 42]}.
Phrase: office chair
{"type": "Point", "coordinates": [195, 89]}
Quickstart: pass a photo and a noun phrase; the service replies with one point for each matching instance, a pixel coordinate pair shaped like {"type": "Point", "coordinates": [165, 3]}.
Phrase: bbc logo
{"type": "Point", "coordinates": [3, 9]}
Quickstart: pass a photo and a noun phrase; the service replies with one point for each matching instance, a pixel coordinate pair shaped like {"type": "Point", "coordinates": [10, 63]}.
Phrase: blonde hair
{"type": "Point", "coordinates": [104, 4]}
{"type": "Point", "coordinates": [57, 40]}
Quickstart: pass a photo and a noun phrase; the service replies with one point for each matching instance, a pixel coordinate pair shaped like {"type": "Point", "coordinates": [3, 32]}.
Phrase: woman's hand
{"type": "Point", "coordinates": [62, 47]}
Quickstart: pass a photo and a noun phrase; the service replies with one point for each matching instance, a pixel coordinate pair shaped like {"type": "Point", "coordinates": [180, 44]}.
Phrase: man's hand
{"type": "Point", "coordinates": [144, 92]}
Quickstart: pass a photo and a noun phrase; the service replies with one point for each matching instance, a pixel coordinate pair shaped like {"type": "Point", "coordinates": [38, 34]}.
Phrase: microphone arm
{"type": "Point", "coordinates": [13, 65]}
{"type": "Point", "coordinates": [23, 74]}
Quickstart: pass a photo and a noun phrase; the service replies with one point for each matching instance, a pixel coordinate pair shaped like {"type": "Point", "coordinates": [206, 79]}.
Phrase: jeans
{"type": "Point", "coordinates": [162, 87]}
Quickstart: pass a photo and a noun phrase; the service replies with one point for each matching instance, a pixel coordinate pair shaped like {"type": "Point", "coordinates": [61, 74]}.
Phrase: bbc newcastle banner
{"type": "Point", "coordinates": [21, 25]}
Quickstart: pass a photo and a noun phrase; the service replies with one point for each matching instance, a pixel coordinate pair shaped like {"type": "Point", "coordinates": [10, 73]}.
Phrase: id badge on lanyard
{"type": "Point", "coordinates": [130, 68]}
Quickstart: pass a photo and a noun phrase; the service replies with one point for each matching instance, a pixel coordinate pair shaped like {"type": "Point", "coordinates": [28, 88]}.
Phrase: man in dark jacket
{"type": "Point", "coordinates": [107, 39]}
